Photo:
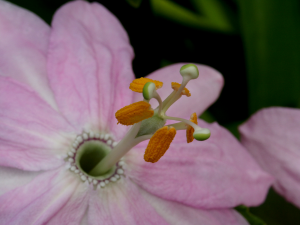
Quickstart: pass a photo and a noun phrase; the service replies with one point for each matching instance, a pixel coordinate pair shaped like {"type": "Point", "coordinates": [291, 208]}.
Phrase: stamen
{"type": "Point", "coordinates": [188, 122]}
{"type": "Point", "coordinates": [190, 130]}
{"type": "Point", "coordinates": [178, 126]}
{"type": "Point", "coordinates": [188, 72]}
{"type": "Point", "coordinates": [176, 87]}
{"type": "Point", "coordinates": [202, 134]}
{"type": "Point", "coordinates": [134, 113]}
{"type": "Point", "coordinates": [149, 92]}
{"type": "Point", "coordinates": [147, 124]}
{"type": "Point", "coordinates": [159, 144]}
{"type": "Point", "coordinates": [137, 85]}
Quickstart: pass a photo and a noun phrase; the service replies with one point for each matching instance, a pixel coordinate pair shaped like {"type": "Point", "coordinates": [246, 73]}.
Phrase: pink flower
{"type": "Point", "coordinates": [60, 87]}
{"type": "Point", "coordinates": [272, 137]}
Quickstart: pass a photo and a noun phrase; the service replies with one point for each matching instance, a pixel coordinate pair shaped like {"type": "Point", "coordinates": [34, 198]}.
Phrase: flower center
{"type": "Point", "coordinates": [90, 153]}
{"type": "Point", "coordinates": [88, 149]}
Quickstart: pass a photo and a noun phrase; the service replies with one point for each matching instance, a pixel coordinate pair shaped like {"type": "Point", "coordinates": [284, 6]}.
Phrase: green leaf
{"type": "Point", "coordinates": [165, 62]}
{"type": "Point", "coordinates": [253, 220]}
{"type": "Point", "coordinates": [275, 210]}
{"type": "Point", "coordinates": [233, 128]}
{"type": "Point", "coordinates": [271, 35]}
{"type": "Point", "coordinates": [217, 12]}
{"type": "Point", "coordinates": [206, 116]}
{"type": "Point", "coordinates": [175, 12]}
{"type": "Point", "coordinates": [134, 3]}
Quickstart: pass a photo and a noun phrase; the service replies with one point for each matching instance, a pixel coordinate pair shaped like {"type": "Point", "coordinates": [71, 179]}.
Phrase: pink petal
{"type": "Point", "coordinates": [23, 48]}
{"type": "Point", "coordinates": [31, 131]}
{"type": "Point", "coordinates": [89, 65]}
{"type": "Point", "coordinates": [74, 210]}
{"type": "Point", "coordinates": [175, 213]}
{"type": "Point", "coordinates": [272, 137]}
{"type": "Point", "coordinates": [206, 174]}
{"type": "Point", "coordinates": [126, 203]}
{"type": "Point", "coordinates": [12, 178]}
{"type": "Point", "coordinates": [41, 200]}
{"type": "Point", "coordinates": [121, 203]}
{"type": "Point", "coordinates": [204, 90]}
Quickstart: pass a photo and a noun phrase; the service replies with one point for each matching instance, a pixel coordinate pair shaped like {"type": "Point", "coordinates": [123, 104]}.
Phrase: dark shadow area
{"type": "Point", "coordinates": [277, 211]}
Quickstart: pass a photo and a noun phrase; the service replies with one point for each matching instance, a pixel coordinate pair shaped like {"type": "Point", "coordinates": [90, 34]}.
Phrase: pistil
{"type": "Point", "coordinates": [118, 152]}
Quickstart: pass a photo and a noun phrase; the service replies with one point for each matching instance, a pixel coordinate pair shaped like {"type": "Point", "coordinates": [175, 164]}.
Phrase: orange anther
{"type": "Point", "coordinates": [185, 91]}
{"type": "Point", "coordinates": [137, 85]}
{"type": "Point", "coordinates": [190, 129]}
{"type": "Point", "coordinates": [134, 113]}
{"type": "Point", "coordinates": [159, 143]}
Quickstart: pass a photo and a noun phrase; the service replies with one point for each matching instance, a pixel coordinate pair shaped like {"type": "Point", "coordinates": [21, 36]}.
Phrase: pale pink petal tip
{"type": "Point", "coordinates": [272, 137]}
{"type": "Point", "coordinates": [89, 65]}
{"type": "Point", "coordinates": [24, 44]}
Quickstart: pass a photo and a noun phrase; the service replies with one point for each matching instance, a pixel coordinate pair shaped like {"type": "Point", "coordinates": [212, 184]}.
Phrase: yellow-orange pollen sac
{"type": "Point", "coordinates": [185, 91]}
{"type": "Point", "coordinates": [137, 85]}
{"type": "Point", "coordinates": [190, 130]}
{"type": "Point", "coordinates": [134, 113]}
{"type": "Point", "coordinates": [159, 143]}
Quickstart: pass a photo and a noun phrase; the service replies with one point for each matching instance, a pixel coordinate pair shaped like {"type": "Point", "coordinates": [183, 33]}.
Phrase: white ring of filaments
{"type": "Point", "coordinates": [71, 165]}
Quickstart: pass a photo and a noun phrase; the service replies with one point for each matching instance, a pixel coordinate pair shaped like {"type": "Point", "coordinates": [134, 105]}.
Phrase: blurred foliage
{"type": "Point", "coordinates": [277, 211]}
{"type": "Point", "coordinates": [233, 128]}
{"type": "Point", "coordinates": [208, 117]}
{"type": "Point", "coordinates": [253, 43]}
{"type": "Point", "coordinates": [253, 220]}
{"type": "Point", "coordinates": [134, 3]}
{"type": "Point", "coordinates": [211, 15]}
{"type": "Point", "coordinates": [271, 34]}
